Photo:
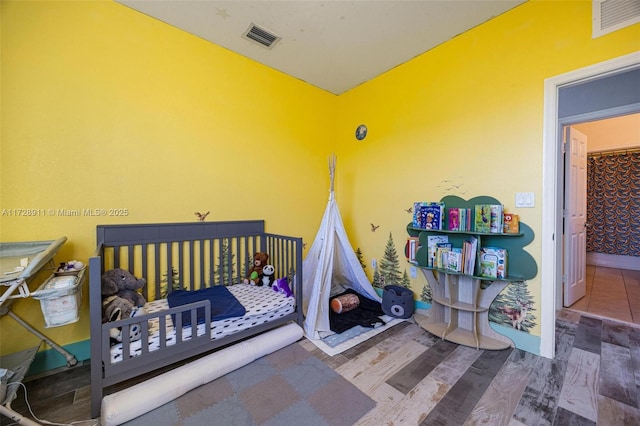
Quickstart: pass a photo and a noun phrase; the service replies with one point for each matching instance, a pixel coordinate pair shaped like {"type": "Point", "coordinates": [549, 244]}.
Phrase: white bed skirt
{"type": "Point", "coordinates": [139, 399]}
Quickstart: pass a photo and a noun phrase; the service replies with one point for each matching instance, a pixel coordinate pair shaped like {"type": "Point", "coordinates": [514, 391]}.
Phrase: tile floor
{"type": "Point", "coordinates": [611, 293]}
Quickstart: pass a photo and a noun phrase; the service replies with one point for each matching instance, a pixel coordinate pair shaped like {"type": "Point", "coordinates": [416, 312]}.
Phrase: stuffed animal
{"type": "Point", "coordinates": [116, 308]}
{"type": "Point", "coordinates": [268, 276]}
{"type": "Point", "coordinates": [281, 285]}
{"type": "Point", "coordinates": [259, 260]}
{"type": "Point", "coordinates": [122, 283]}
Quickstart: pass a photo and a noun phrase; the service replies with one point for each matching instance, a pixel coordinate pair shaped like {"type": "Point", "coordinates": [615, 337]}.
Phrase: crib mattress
{"type": "Point", "coordinates": [262, 305]}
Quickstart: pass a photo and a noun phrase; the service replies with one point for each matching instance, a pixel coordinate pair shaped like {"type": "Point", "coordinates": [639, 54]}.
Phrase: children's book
{"type": "Point", "coordinates": [453, 219]}
{"type": "Point", "coordinates": [455, 260]}
{"type": "Point", "coordinates": [417, 206]}
{"type": "Point", "coordinates": [432, 246]}
{"type": "Point", "coordinates": [470, 250]}
{"type": "Point", "coordinates": [428, 215]}
{"type": "Point", "coordinates": [511, 223]}
{"type": "Point", "coordinates": [495, 220]}
{"type": "Point", "coordinates": [493, 262]}
{"type": "Point", "coordinates": [442, 259]}
{"type": "Point", "coordinates": [482, 218]}
{"type": "Point", "coordinates": [413, 244]}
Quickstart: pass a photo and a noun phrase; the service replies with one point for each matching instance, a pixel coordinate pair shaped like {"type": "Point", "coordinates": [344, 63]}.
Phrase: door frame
{"type": "Point", "coordinates": [552, 187]}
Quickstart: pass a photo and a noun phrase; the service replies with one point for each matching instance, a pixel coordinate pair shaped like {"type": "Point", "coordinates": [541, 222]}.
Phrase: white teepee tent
{"type": "Point", "coordinates": [330, 265]}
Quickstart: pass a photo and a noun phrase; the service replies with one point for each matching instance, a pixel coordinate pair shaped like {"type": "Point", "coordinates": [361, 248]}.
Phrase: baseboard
{"type": "Point", "coordinates": [50, 359]}
{"type": "Point", "coordinates": [614, 261]}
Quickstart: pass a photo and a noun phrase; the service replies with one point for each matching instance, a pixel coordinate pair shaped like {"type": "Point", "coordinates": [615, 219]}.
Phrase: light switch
{"type": "Point", "coordinates": [525, 199]}
{"type": "Point", "coordinates": [413, 272]}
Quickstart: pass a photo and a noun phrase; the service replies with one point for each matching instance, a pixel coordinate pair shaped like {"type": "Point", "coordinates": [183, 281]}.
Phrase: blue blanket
{"type": "Point", "coordinates": [223, 303]}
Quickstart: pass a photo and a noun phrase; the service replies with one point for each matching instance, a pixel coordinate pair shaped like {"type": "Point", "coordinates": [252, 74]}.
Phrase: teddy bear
{"type": "Point", "coordinates": [259, 260]}
{"type": "Point", "coordinates": [268, 276]}
{"type": "Point", "coordinates": [122, 283]}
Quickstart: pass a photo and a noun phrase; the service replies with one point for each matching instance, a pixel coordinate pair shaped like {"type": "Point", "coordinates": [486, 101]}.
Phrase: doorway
{"type": "Point", "coordinates": [553, 169]}
{"type": "Point", "coordinates": [611, 288]}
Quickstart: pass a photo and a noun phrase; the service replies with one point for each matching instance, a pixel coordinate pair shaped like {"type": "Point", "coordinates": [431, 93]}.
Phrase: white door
{"type": "Point", "coordinates": [575, 216]}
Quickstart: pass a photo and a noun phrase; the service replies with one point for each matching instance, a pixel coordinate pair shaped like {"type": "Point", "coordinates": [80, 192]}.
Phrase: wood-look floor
{"type": "Point", "coordinates": [418, 379]}
{"type": "Point", "coordinates": [611, 293]}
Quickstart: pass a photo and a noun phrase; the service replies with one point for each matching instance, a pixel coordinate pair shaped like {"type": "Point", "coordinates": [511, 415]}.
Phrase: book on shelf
{"type": "Point", "coordinates": [458, 219]}
{"type": "Point", "coordinates": [488, 218]}
{"type": "Point", "coordinates": [482, 218]}
{"type": "Point", "coordinates": [493, 262]}
{"type": "Point", "coordinates": [469, 250]}
{"type": "Point", "coordinates": [413, 244]}
{"type": "Point", "coordinates": [428, 214]}
{"type": "Point", "coordinates": [495, 220]}
{"type": "Point", "coordinates": [442, 258]}
{"type": "Point", "coordinates": [453, 219]}
{"type": "Point", "coordinates": [455, 260]}
{"type": "Point", "coordinates": [511, 223]}
{"type": "Point", "coordinates": [432, 246]}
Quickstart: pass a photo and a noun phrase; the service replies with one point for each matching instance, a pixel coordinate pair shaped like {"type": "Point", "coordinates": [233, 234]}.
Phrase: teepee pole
{"type": "Point", "coordinates": [332, 170]}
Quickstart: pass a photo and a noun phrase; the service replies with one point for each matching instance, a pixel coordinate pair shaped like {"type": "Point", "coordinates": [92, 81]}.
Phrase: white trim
{"type": "Point", "coordinates": [550, 268]}
{"type": "Point", "coordinates": [614, 261]}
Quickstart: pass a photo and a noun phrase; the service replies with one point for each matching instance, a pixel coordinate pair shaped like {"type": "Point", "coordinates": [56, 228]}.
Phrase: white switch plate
{"type": "Point", "coordinates": [413, 272]}
{"type": "Point", "coordinates": [525, 199]}
{"type": "Point", "coordinates": [374, 263]}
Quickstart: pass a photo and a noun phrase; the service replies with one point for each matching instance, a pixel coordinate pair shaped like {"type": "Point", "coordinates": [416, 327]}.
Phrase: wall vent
{"type": "Point", "coordinates": [612, 15]}
{"type": "Point", "coordinates": [262, 36]}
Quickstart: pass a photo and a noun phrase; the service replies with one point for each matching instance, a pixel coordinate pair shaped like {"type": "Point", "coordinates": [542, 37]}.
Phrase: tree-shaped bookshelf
{"type": "Point", "coordinates": [460, 302]}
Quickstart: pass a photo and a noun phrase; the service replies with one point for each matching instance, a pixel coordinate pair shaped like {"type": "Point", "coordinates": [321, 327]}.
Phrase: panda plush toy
{"type": "Point", "coordinates": [268, 276]}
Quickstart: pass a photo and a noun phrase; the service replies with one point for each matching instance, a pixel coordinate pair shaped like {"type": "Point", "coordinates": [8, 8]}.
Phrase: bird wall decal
{"type": "Point", "coordinates": [201, 216]}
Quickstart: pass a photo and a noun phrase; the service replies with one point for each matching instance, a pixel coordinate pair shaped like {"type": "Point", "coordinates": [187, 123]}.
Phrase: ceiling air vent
{"type": "Point", "coordinates": [261, 36]}
{"type": "Point", "coordinates": [612, 15]}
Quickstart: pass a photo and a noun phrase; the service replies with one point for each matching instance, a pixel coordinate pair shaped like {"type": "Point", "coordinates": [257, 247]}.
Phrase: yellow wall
{"type": "Point", "coordinates": [466, 119]}
{"type": "Point", "coordinates": [103, 107]}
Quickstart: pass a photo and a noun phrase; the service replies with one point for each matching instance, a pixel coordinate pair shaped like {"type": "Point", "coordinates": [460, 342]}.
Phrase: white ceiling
{"type": "Point", "coordinates": [333, 44]}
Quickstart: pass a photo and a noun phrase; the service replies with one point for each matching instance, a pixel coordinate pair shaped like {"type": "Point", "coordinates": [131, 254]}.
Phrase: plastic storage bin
{"type": "Point", "coordinates": [60, 298]}
{"type": "Point", "coordinates": [397, 301]}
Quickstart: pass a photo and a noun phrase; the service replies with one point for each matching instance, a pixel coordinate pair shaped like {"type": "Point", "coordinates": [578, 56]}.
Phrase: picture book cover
{"type": "Point", "coordinates": [482, 218]}
{"type": "Point", "coordinates": [428, 215]}
{"type": "Point", "coordinates": [493, 262]}
{"type": "Point", "coordinates": [495, 220]}
{"type": "Point", "coordinates": [413, 244]}
{"type": "Point", "coordinates": [455, 260]}
{"type": "Point", "coordinates": [511, 223]}
{"type": "Point", "coordinates": [432, 246]}
{"type": "Point", "coordinates": [453, 219]}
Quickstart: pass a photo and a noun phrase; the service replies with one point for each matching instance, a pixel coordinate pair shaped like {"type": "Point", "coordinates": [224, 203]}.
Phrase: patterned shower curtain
{"type": "Point", "coordinates": [613, 200]}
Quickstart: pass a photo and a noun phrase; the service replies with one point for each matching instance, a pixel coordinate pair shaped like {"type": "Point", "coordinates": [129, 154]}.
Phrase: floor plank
{"type": "Point", "coordinates": [615, 382]}
{"type": "Point", "coordinates": [497, 405]}
{"type": "Point", "coordinates": [372, 368]}
{"type": "Point", "coordinates": [612, 412]}
{"type": "Point", "coordinates": [579, 392]}
{"type": "Point", "coordinates": [539, 401]}
{"type": "Point", "coordinates": [458, 403]}
{"type": "Point", "coordinates": [405, 379]}
{"type": "Point", "coordinates": [589, 335]}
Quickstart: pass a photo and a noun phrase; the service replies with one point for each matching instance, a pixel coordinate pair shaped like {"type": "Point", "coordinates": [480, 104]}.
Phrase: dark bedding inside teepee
{"type": "Point", "coordinates": [367, 314]}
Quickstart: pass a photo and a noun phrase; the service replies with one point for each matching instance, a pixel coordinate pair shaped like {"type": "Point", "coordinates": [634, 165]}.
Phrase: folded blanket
{"type": "Point", "coordinates": [367, 314]}
{"type": "Point", "coordinates": [223, 303]}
